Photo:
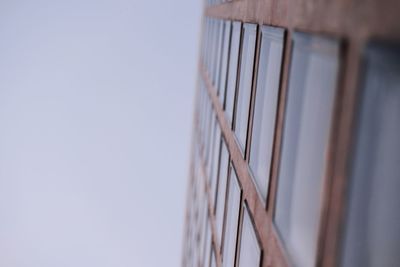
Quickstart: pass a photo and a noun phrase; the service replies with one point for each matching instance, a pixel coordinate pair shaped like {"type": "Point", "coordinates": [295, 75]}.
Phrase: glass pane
{"type": "Point", "coordinates": [207, 126]}
{"type": "Point", "coordinates": [213, 259]}
{"type": "Point", "coordinates": [203, 237]}
{"type": "Point", "coordinates": [232, 69]}
{"type": "Point", "coordinates": [245, 82]}
{"type": "Point", "coordinates": [216, 49]}
{"type": "Point", "coordinates": [250, 251]}
{"type": "Point", "coordinates": [224, 60]}
{"type": "Point", "coordinates": [266, 102]}
{"type": "Point", "coordinates": [232, 220]}
{"type": "Point", "coordinates": [373, 219]}
{"type": "Point", "coordinates": [215, 162]}
{"type": "Point", "coordinates": [207, 246]}
{"type": "Point", "coordinates": [221, 28]}
{"type": "Point", "coordinates": [221, 190]}
{"type": "Point", "coordinates": [210, 141]}
{"type": "Point", "coordinates": [311, 93]}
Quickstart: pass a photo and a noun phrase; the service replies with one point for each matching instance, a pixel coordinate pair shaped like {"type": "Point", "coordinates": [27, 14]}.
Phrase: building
{"type": "Point", "coordinates": [296, 148]}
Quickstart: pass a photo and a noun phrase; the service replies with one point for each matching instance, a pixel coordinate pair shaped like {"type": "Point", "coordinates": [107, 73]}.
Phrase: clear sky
{"type": "Point", "coordinates": [96, 104]}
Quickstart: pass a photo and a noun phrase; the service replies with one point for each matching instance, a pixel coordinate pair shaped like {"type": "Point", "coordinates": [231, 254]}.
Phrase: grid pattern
{"type": "Point", "coordinates": [275, 119]}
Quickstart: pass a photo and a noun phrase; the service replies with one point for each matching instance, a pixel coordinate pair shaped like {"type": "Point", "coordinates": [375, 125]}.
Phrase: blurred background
{"type": "Point", "coordinates": [96, 104]}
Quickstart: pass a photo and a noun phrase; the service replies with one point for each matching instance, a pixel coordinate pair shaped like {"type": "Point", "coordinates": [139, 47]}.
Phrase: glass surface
{"type": "Point", "coordinates": [207, 246]}
{"type": "Point", "coordinates": [221, 28]}
{"type": "Point", "coordinates": [207, 126]}
{"type": "Point", "coordinates": [309, 106]}
{"type": "Point", "coordinates": [213, 259]}
{"type": "Point", "coordinates": [209, 44]}
{"type": "Point", "coordinates": [224, 60]}
{"type": "Point", "coordinates": [231, 221]}
{"type": "Point", "coordinates": [203, 112]}
{"type": "Point", "coordinates": [232, 69]}
{"type": "Point", "coordinates": [215, 162]}
{"type": "Point", "coordinates": [372, 237]}
{"type": "Point", "coordinates": [266, 102]}
{"type": "Point", "coordinates": [245, 82]}
{"type": "Point", "coordinates": [250, 251]}
{"type": "Point", "coordinates": [210, 141]}
{"type": "Point", "coordinates": [214, 70]}
{"type": "Point", "coordinates": [213, 50]}
{"type": "Point", "coordinates": [203, 234]}
{"type": "Point", "coordinates": [221, 190]}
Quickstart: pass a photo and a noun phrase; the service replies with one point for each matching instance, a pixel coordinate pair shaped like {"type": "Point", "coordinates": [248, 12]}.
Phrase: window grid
{"type": "Point", "coordinates": [335, 172]}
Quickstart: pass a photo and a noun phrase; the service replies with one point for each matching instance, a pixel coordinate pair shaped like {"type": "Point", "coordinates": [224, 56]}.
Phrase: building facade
{"type": "Point", "coordinates": [296, 150]}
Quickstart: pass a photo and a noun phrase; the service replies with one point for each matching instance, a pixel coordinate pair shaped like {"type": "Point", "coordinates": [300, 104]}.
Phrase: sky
{"type": "Point", "coordinates": [96, 107]}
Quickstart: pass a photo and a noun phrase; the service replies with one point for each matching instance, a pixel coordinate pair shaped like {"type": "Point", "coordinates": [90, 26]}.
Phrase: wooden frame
{"type": "Point", "coordinates": [353, 22]}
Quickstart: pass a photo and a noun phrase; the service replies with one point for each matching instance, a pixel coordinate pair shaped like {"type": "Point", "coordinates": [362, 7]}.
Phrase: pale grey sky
{"type": "Point", "coordinates": [96, 103]}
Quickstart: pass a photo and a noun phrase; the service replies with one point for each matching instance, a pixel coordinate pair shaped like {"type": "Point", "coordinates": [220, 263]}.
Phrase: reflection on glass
{"type": "Point", "coordinates": [213, 259]}
{"type": "Point", "coordinates": [372, 237]}
{"type": "Point", "coordinates": [207, 246]}
{"type": "Point", "coordinates": [207, 126]}
{"type": "Point", "coordinates": [210, 141]}
{"type": "Point", "coordinates": [221, 29]}
{"type": "Point", "coordinates": [215, 161]}
{"type": "Point", "coordinates": [265, 106]}
{"type": "Point", "coordinates": [213, 50]}
{"type": "Point", "coordinates": [245, 82]}
{"type": "Point", "coordinates": [250, 251]}
{"type": "Point", "coordinates": [309, 106]}
{"type": "Point", "coordinates": [221, 190]}
{"type": "Point", "coordinates": [203, 237]}
{"type": "Point", "coordinates": [224, 60]}
{"type": "Point", "coordinates": [231, 221]}
{"type": "Point", "coordinates": [232, 69]}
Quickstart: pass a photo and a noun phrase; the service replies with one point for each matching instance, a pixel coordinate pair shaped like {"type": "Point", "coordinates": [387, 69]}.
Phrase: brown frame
{"type": "Point", "coordinates": [355, 23]}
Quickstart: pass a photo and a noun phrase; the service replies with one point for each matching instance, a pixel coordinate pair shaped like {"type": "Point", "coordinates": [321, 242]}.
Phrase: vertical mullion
{"type": "Point", "coordinates": [253, 96]}
{"type": "Point", "coordinates": [279, 125]}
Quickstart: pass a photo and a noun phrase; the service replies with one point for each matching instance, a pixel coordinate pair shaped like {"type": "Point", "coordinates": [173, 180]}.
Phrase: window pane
{"type": "Point", "coordinates": [232, 69]}
{"type": "Point", "coordinates": [225, 59]}
{"type": "Point", "coordinates": [232, 219]}
{"type": "Point", "coordinates": [215, 162]}
{"type": "Point", "coordinates": [221, 28]}
{"type": "Point", "coordinates": [207, 246]}
{"type": "Point", "coordinates": [210, 140]}
{"type": "Point", "coordinates": [222, 180]}
{"type": "Point", "coordinates": [245, 82]}
{"type": "Point", "coordinates": [268, 77]}
{"type": "Point", "coordinates": [373, 219]}
{"type": "Point", "coordinates": [250, 251]}
{"type": "Point", "coordinates": [311, 93]}
{"type": "Point", "coordinates": [213, 259]}
{"type": "Point", "coordinates": [214, 50]}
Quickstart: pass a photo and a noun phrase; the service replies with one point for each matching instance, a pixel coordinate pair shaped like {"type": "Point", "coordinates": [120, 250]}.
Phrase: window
{"type": "Point", "coordinates": [250, 251]}
{"type": "Point", "coordinates": [221, 28]}
{"type": "Point", "coordinates": [266, 99]}
{"type": "Point", "coordinates": [208, 246]}
{"type": "Point", "coordinates": [222, 181]}
{"type": "Point", "coordinates": [309, 107]}
{"type": "Point", "coordinates": [373, 220]}
{"type": "Point", "coordinates": [215, 160]}
{"type": "Point", "coordinates": [213, 259]}
{"type": "Point", "coordinates": [224, 60]}
{"type": "Point", "coordinates": [210, 140]}
{"type": "Point", "coordinates": [245, 83]}
{"type": "Point", "coordinates": [232, 69]}
{"type": "Point", "coordinates": [232, 220]}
